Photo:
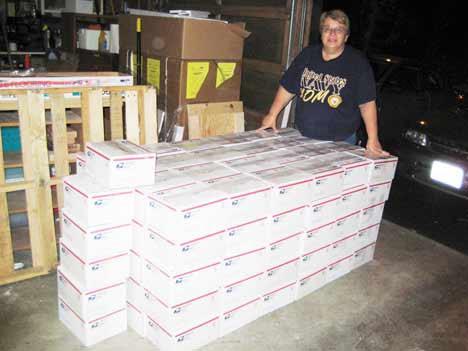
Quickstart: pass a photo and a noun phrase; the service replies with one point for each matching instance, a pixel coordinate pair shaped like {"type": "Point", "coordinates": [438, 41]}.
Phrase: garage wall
{"type": "Point", "coordinates": [268, 50]}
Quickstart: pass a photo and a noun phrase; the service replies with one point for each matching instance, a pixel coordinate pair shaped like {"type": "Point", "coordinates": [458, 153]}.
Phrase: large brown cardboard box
{"type": "Point", "coordinates": [183, 37]}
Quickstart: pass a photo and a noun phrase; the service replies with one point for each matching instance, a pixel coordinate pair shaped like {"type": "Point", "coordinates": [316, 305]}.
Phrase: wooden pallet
{"type": "Point", "coordinates": [134, 107]}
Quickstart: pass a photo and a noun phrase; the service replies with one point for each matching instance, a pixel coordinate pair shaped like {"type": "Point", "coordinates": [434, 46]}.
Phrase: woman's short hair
{"type": "Point", "coordinates": [336, 15]}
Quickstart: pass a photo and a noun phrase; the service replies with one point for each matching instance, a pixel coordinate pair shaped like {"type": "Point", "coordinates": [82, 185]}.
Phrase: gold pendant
{"type": "Point", "coordinates": [334, 100]}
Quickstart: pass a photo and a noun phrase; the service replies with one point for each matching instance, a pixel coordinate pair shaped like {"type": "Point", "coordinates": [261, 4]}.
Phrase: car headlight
{"type": "Point", "coordinates": [416, 137]}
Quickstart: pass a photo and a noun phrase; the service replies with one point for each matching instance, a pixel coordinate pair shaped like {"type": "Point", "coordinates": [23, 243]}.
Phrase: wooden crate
{"type": "Point", "coordinates": [132, 115]}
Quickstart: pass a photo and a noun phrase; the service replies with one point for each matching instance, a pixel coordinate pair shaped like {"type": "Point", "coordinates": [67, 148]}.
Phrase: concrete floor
{"type": "Point", "coordinates": [413, 296]}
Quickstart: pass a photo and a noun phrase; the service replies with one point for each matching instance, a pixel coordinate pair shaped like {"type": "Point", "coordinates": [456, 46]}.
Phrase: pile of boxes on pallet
{"type": "Point", "coordinates": [229, 229]}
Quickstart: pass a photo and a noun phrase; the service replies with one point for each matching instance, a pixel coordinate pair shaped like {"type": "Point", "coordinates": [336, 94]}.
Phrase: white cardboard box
{"type": "Point", "coordinates": [246, 237]}
{"type": "Point", "coordinates": [201, 251]}
{"type": "Point", "coordinates": [248, 197]}
{"type": "Point", "coordinates": [94, 274]}
{"type": "Point", "coordinates": [136, 265]}
{"type": "Point", "coordinates": [356, 169]}
{"type": "Point", "coordinates": [343, 247]}
{"type": "Point", "coordinates": [191, 339]}
{"type": "Point", "coordinates": [138, 236]}
{"type": "Point", "coordinates": [246, 264]}
{"type": "Point", "coordinates": [382, 169]}
{"type": "Point", "coordinates": [324, 211]}
{"type": "Point", "coordinates": [287, 223]}
{"type": "Point", "coordinates": [339, 268]}
{"type": "Point", "coordinates": [218, 154]}
{"type": "Point", "coordinates": [93, 243]}
{"type": "Point", "coordinates": [289, 189]}
{"type": "Point", "coordinates": [251, 163]}
{"type": "Point", "coordinates": [163, 149]}
{"type": "Point", "coordinates": [92, 204]}
{"type": "Point", "coordinates": [239, 316]}
{"type": "Point", "coordinates": [236, 293]}
{"type": "Point", "coordinates": [363, 256]}
{"type": "Point", "coordinates": [281, 275]}
{"type": "Point", "coordinates": [378, 193]}
{"type": "Point", "coordinates": [176, 287]}
{"type": "Point", "coordinates": [80, 163]}
{"type": "Point", "coordinates": [278, 298]}
{"type": "Point", "coordinates": [284, 249]}
{"type": "Point", "coordinates": [88, 39]}
{"type": "Point", "coordinates": [120, 163]}
{"type": "Point", "coordinates": [185, 159]}
{"type": "Point", "coordinates": [328, 178]}
{"type": "Point", "coordinates": [79, 6]}
{"type": "Point", "coordinates": [163, 180]}
{"type": "Point", "coordinates": [92, 332]}
{"type": "Point", "coordinates": [181, 214]}
{"type": "Point", "coordinates": [318, 237]}
{"type": "Point", "coordinates": [206, 171]}
{"type": "Point", "coordinates": [315, 260]}
{"type": "Point", "coordinates": [178, 318]}
{"type": "Point", "coordinates": [136, 319]}
{"type": "Point", "coordinates": [367, 236]}
{"type": "Point", "coordinates": [311, 283]}
{"type": "Point", "coordinates": [347, 225]}
{"type": "Point", "coordinates": [371, 215]}
{"type": "Point", "coordinates": [353, 199]}
{"type": "Point", "coordinates": [90, 304]}
{"type": "Point", "coordinates": [135, 294]}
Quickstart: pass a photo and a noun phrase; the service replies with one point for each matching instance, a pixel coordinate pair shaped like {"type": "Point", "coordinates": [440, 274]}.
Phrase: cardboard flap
{"type": "Point", "coordinates": [239, 29]}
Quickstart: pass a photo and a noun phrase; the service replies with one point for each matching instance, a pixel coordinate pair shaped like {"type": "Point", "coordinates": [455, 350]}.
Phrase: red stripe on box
{"type": "Point", "coordinates": [133, 158]}
{"type": "Point", "coordinates": [114, 194]}
{"type": "Point", "coordinates": [288, 211]}
{"type": "Point", "coordinates": [374, 205]}
{"type": "Point", "coordinates": [282, 288]}
{"type": "Point", "coordinates": [250, 193]}
{"type": "Point", "coordinates": [159, 326]}
{"type": "Point", "coordinates": [365, 247]}
{"type": "Point", "coordinates": [97, 152]}
{"type": "Point", "coordinates": [226, 176]}
{"type": "Point", "coordinates": [311, 252]}
{"type": "Point", "coordinates": [247, 223]}
{"type": "Point", "coordinates": [357, 166]}
{"type": "Point", "coordinates": [198, 326]}
{"type": "Point", "coordinates": [107, 287]}
{"type": "Point", "coordinates": [69, 282]}
{"type": "Point", "coordinates": [328, 175]}
{"type": "Point", "coordinates": [195, 299]}
{"type": "Point", "coordinates": [286, 238]}
{"type": "Point", "coordinates": [162, 203]}
{"type": "Point", "coordinates": [136, 309]}
{"type": "Point", "coordinates": [369, 227]}
{"type": "Point", "coordinates": [344, 258]}
{"type": "Point", "coordinates": [345, 238]}
{"type": "Point", "coordinates": [159, 269]}
{"type": "Point", "coordinates": [157, 298]}
{"type": "Point", "coordinates": [354, 191]}
{"type": "Point", "coordinates": [134, 252]}
{"type": "Point", "coordinates": [296, 183]}
{"type": "Point", "coordinates": [371, 185]}
{"type": "Point", "coordinates": [159, 235]}
{"type": "Point", "coordinates": [315, 273]}
{"type": "Point", "coordinates": [108, 258]}
{"type": "Point", "coordinates": [196, 270]}
{"type": "Point", "coordinates": [389, 161]}
{"type": "Point", "coordinates": [137, 223]}
{"type": "Point", "coordinates": [202, 237]}
{"type": "Point", "coordinates": [107, 315]}
{"type": "Point", "coordinates": [320, 227]}
{"type": "Point", "coordinates": [139, 192]}
{"type": "Point", "coordinates": [241, 306]}
{"type": "Point", "coordinates": [203, 205]}
{"type": "Point", "coordinates": [325, 202]}
{"type": "Point", "coordinates": [243, 280]}
{"type": "Point", "coordinates": [76, 189]}
{"type": "Point", "coordinates": [74, 254]}
{"type": "Point", "coordinates": [244, 254]}
{"type": "Point", "coordinates": [351, 214]}
{"type": "Point", "coordinates": [76, 314]}
{"type": "Point", "coordinates": [134, 281]}
{"type": "Point", "coordinates": [283, 264]}
{"type": "Point", "coordinates": [74, 223]}
{"type": "Point", "coordinates": [111, 228]}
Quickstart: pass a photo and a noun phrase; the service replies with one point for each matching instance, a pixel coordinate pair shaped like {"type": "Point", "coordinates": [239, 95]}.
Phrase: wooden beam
{"type": "Point", "coordinates": [6, 248]}
{"type": "Point", "coordinates": [15, 186]}
{"type": "Point", "coordinates": [263, 66]}
{"type": "Point", "coordinates": [23, 274]}
{"type": "Point", "coordinates": [36, 169]}
{"type": "Point", "coordinates": [59, 131]}
{"type": "Point", "coordinates": [148, 113]}
{"type": "Point", "coordinates": [116, 116]}
{"type": "Point", "coordinates": [131, 117]}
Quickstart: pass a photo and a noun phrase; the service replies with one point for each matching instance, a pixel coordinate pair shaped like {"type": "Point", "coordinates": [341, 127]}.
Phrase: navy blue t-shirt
{"type": "Point", "coordinates": [329, 92]}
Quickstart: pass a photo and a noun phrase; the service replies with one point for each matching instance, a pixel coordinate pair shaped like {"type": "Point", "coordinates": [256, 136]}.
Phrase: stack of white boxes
{"type": "Point", "coordinates": [96, 238]}
{"type": "Point", "coordinates": [237, 226]}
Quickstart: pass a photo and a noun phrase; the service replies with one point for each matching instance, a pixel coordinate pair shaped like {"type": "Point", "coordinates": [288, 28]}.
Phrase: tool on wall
{"type": "Point", "coordinates": [138, 50]}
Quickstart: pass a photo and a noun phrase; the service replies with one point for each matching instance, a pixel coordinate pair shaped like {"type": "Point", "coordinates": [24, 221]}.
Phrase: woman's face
{"type": "Point", "coordinates": [334, 34]}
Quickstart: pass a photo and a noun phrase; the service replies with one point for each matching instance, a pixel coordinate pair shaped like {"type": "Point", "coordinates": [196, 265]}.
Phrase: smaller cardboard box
{"type": "Point", "coordinates": [273, 300]}
{"type": "Point", "coordinates": [367, 236]}
{"type": "Point", "coordinates": [289, 189]}
{"type": "Point", "coordinates": [93, 204]}
{"type": "Point", "coordinates": [339, 268]}
{"type": "Point", "coordinates": [120, 163]}
{"type": "Point", "coordinates": [237, 293]}
{"type": "Point", "coordinates": [93, 243]}
{"type": "Point", "coordinates": [135, 294]}
{"type": "Point", "coordinates": [363, 256]}
{"type": "Point", "coordinates": [90, 304]}
{"type": "Point", "coordinates": [246, 264]}
{"type": "Point", "coordinates": [287, 223]}
{"type": "Point", "coordinates": [356, 169]}
{"type": "Point", "coordinates": [378, 193]}
{"type": "Point", "coordinates": [311, 282]}
{"type": "Point", "coordinates": [239, 316]}
{"type": "Point", "coordinates": [246, 237]}
{"type": "Point", "coordinates": [317, 237]}
{"type": "Point", "coordinates": [193, 338]}
{"type": "Point", "coordinates": [136, 320]}
{"type": "Point", "coordinates": [382, 169]}
{"type": "Point", "coordinates": [178, 318]}
{"type": "Point", "coordinates": [371, 215]}
{"type": "Point", "coordinates": [90, 333]}
{"type": "Point", "coordinates": [314, 260]}
{"type": "Point", "coordinates": [284, 249]}
{"type": "Point", "coordinates": [348, 224]}
{"type": "Point", "coordinates": [281, 275]}
{"type": "Point", "coordinates": [97, 274]}
{"type": "Point", "coordinates": [324, 211]}
{"type": "Point", "coordinates": [353, 199]}
{"type": "Point", "coordinates": [175, 287]}
{"type": "Point", "coordinates": [343, 247]}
